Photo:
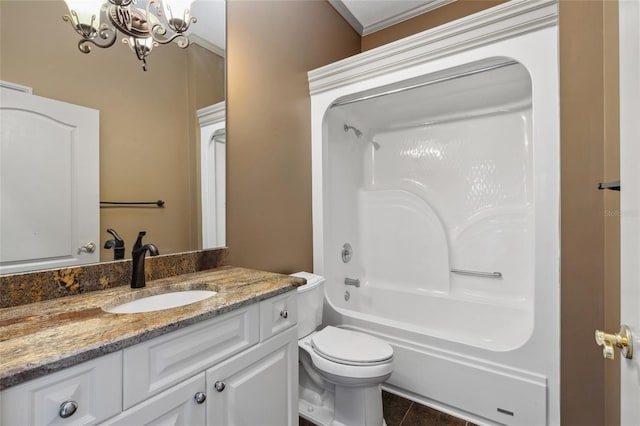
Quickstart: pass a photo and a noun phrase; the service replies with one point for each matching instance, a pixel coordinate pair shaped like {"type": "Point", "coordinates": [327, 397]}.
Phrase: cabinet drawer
{"type": "Point", "coordinates": [277, 314]}
{"type": "Point", "coordinates": [155, 365]}
{"type": "Point", "coordinates": [94, 387]}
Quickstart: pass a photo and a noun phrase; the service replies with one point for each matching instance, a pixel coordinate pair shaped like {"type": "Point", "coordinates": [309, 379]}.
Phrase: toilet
{"type": "Point", "coordinates": [340, 370]}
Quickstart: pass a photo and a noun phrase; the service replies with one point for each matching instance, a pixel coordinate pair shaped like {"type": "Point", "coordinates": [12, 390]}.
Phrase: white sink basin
{"type": "Point", "coordinates": [162, 301]}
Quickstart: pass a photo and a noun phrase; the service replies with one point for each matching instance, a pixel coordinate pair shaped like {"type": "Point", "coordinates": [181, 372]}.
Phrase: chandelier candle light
{"type": "Point", "coordinates": [145, 23]}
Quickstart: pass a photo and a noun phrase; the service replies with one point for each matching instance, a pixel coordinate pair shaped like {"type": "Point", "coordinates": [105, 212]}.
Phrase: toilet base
{"type": "Point", "coordinates": [320, 416]}
{"type": "Point", "coordinates": [357, 407]}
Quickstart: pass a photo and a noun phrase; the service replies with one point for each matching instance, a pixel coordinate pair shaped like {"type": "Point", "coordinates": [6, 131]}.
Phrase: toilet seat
{"type": "Point", "coordinates": [350, 347]}
{"type": "Point", "coordinates": [351, 369]}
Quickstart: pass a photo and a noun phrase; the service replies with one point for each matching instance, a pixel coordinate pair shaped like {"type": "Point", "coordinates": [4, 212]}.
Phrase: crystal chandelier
{"type": "Point", "coordinates": [145, 24]}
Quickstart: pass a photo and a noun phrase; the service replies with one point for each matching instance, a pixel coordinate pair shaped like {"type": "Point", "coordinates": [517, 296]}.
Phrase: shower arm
{"type": "Point", "coordinates": [495, 275]}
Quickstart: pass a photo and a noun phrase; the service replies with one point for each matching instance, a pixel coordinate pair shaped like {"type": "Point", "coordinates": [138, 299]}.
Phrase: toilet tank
{"type": "Point", "coordinates": [310, 300]}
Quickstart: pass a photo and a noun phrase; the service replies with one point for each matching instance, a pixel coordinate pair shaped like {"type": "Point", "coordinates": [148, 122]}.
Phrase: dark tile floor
{"type": "Point", "coordinates": [402, 412]}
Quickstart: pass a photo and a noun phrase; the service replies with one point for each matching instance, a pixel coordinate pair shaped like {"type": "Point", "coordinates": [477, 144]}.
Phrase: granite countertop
{"type": "Point", "coordinates": [39, 338]}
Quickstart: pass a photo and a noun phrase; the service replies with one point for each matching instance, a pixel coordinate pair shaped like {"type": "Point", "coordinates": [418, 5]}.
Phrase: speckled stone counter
{"type": "Point", "coordinates": [39, 338]}
{"type": "Point", "coordinates": [30, 287]}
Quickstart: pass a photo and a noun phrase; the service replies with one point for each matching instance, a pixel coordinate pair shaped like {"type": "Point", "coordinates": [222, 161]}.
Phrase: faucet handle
{"type": "Point", "coordinates": [115, 235]}
{"type": "Point", "coordinates": [138, 243]}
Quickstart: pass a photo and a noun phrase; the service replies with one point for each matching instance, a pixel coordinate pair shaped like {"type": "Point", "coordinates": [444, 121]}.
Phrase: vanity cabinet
{"type": "Point", "coordinates": [222, 371]}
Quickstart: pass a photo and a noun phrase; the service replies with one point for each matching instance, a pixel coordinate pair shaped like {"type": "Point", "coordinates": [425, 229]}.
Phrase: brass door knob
{"type": "Point", "coordinates": [623, 340]}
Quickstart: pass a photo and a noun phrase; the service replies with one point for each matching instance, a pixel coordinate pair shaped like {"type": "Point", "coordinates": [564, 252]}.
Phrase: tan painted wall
{"type": "Point", "coordinates": [147, 120]}
{"type": "Point", "coordinates": [582, 207]}
{"type": "Point", "coordinates": [271, 46]}
{"type": "Point", "coordinates": [590, 259]}
{"type": "Point", "coordinates": [612, 205]}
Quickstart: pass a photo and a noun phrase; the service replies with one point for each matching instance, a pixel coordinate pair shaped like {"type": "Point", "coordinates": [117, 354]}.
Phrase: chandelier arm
{"type": "Point", "coordinates": [158, 31]}
{"type": "Point", "coordinates": [123, 3]}
{"type": "Point", "coordinates": [103, 37]}
{"type": "Point", "coordinates": [180, 38]}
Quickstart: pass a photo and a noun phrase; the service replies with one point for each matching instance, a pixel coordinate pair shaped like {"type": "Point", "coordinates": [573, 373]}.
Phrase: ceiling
{"type": "Point", "coordinates": [365, 16]}
{"type": "Point", "coordinates": [211, 32]}
{"type": "Point", "coordinates": [369, 16]}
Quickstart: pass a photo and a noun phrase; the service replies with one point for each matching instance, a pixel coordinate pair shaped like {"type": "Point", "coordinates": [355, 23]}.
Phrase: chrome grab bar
{"type": "Point", "coordinates": [352, 281]}
{"type": "Point", "coordinates": [495, 275]}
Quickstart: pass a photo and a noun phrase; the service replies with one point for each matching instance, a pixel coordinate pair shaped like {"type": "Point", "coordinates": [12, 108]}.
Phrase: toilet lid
{"type": "Point", "coordinates": [346, 346]}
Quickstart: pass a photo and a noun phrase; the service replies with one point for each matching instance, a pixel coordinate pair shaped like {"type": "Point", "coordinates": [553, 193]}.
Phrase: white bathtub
{"type": "Point", "coordinates": [491, 327]}
{"type": "Point", "coordinates": [449, 164]}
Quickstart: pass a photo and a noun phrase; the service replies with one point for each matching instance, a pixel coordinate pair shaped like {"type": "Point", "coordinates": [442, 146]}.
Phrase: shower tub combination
{"type": "Point", "coordinates": [436, 184]}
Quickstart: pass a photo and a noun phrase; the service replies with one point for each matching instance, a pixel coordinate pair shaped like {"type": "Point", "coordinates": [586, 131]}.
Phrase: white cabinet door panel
{"type": "Point", "coordinates": [257, 387]}
{"type": "Point", "coordinates": [174, 407]}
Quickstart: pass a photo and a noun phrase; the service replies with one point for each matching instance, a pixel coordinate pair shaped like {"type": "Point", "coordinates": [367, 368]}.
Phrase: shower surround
{"type": "Point", "coordinates": [436, 159]}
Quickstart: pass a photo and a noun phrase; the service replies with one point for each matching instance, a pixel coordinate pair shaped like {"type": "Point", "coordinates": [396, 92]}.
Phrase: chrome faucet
{"type": "Point", "coordinates": [137, 254]}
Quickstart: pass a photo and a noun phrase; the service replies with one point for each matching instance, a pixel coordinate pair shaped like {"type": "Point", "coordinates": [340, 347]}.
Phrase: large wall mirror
{"type": "Point", "coordinates": [149, 130]}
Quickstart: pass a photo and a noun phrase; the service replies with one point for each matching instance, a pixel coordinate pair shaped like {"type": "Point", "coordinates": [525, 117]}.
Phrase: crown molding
{"type": "Point", "coordinates": [196, 39]}
{"type": "Point", "coordinates": [212, 114]}
{"type": "Point", "coordinates": [401, 17]}
{"type": "Point", "coordinates": [365, 30]}
{"type": "Point", "coordinates": [504, 21]}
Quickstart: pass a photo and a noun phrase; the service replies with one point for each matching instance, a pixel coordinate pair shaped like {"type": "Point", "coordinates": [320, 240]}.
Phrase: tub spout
{"type": "Point", "coordinates": [352, 281]}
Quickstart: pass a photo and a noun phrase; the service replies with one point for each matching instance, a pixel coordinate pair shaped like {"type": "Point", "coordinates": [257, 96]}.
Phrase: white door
{"type": "Point", "coordinates": [629, 13]}
{"type": "Point", "coordinates": [49, 183]}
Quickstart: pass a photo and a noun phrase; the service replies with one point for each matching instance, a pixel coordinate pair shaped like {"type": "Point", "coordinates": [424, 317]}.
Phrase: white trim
{"type": "Point", "coordinates": [206, 44]}
{"type": "Point", "coordinates": [498, 23]}
{"type": "Point", "coordinates": [381, 24]}
{"type": "Point", "coordinates": [212, 114]}
{"type": "Point", "coordinates": [404, 16]}
{"type": "Point", "coordinates": [629, 36]}
{"type": "Point", "coordinates": [212, 175]}
{"type": "Point", "coordinates": [16, 87]}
